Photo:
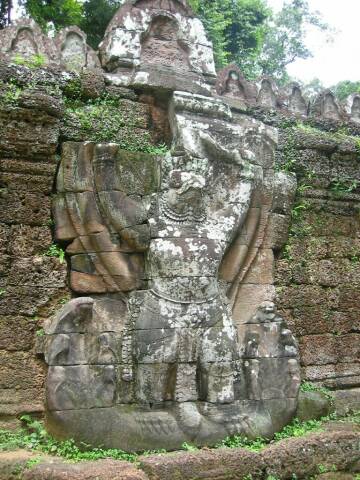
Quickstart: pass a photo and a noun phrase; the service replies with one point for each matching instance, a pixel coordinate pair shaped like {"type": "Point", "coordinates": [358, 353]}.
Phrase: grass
{"type": "Point", "coordinates": [35, 438]}
{"type": "Point", "coordinates": [311, 387]}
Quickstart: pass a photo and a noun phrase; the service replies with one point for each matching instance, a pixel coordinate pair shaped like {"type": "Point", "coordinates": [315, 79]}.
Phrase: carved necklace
{"type": "Point", "coordinates": [190, 216]}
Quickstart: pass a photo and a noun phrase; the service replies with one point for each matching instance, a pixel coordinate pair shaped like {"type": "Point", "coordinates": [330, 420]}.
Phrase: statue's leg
{"type": "Point", "coordinates": [218, 355]}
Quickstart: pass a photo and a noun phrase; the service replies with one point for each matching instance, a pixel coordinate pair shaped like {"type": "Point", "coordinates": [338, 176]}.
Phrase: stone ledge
{"type": "Point", "coordinates": [337, 447]}
{"type": "Point", "coordinates": [296, 455]}
{"type": "Point", "coordinates": [15, 465]}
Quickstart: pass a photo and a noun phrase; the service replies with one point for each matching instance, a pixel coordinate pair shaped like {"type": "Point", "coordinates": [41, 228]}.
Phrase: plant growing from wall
{"type": "Point", "coordinates": [55, 251]}
{"type": "Point", "coordinates": [35, 61]}
{"type": "Point", "coordinates": [311, 387]}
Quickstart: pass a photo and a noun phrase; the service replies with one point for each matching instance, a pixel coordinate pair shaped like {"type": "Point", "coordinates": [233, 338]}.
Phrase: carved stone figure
{"type": "Point", "coordinates": [74, 52]}
{"type": "Point", "coordinates": [235, 89]}
{"type": "Point", "coordinates": [173, 336]}
{"type": "Point", "coordinates": [23, 40]}
{"type": "Point", "coordinates": [352, 107]}
{"type": "Point", "coordinates": [326, 105]}
{"type": "Point", "coordinates": [355, 109]}
{"type": "Point", "coordinates": [296, 102]}
{"type": "Point", "coordinates": [164, 351]}
{"type": "Point", "coordinates": [267, 93]}
{"type": "Point", "coordinates": [24, 43]}
{"type": "Point", "coordinates": [160, 44]}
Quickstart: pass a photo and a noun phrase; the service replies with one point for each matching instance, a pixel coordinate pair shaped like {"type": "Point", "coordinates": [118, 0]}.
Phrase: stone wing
{"type": "Point", "coordinates": [247, 267]}
{"type": "Point", "coordinates": [100, 212]}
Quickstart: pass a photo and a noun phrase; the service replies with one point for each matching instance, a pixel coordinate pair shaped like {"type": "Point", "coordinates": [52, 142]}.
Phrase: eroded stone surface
{"type": "Point", "coordinates": [147, 42]}
{"type": "Point", "coordinates": [74, 52]}
{"type": "Point", "coordinates": [24, 41]}
{"type": "Point", "coordinates": [177, 367]}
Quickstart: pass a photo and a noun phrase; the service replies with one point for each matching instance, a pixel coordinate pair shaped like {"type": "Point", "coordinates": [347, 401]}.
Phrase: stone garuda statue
{"type": "Point", "coordinates": [161, 346]}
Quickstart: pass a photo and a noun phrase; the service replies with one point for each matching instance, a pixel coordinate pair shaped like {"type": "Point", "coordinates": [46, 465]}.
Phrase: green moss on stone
{"type": "Point", "coordinates": [110, 120]}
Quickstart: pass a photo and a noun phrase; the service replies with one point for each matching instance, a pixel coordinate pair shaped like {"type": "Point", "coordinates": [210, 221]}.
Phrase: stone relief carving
{"type": "Point", "coordinates": [24, 39]}
{"type": "Point", "coordinates": [294, 100]}
{"type": "Point", "coordinates": [158, 43]}
{"type": "Point", "coordinates": [75, 54]}
{"type": "Point", "coordinates": [352, 107]}
{"type": "Point", "coordinates": [163, 347]}
{"type": "Point", "coordinates": [326, 105]}
{"type": "Point", "coordinates": [236, 90]}
{"type": "Point", "coordinates": [267, 93]}
{"type": "Point", "coordinates": [163, 44]}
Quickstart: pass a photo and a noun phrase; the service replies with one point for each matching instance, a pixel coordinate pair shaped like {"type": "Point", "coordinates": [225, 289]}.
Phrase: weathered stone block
{"type": "Point", "coordinates": [89, 283]}
{"type": "Point", "coordinates": [277, 231]}
{"type": "Point", "coordinates": [21, 398]}
{"type": "Point", "coordinates": [4, 237]}
{"type": "Point", "coordinates": [313, 406]}
{"type": "Point", "coordinates": [19, 129]}
{"type": "Point", "coordinates": [84, 386]}
{"type": "Point", "coordinates": [20, 370]}
{"type": "Point", "coordinates": [104, 469]}
{"type": "Point", "coordinates": [24, 208]}
{"type": "Point", "coordinates": [17, 333]}
{"type": "Point", "coordinates": [318, 350]}
{"type": "Point", "coordinates": [25, 300]}
{"type": "Point", "coordinates": [262, 269]}
{"type": "Point", "coordinates": [311, 320]}
{"type": "Point", "coordinates": [342, 375]}
{"type": "Point", "coordinates": [297, 296]}
{"type": "Point", "coordinates": [109, 263]}
{"type": "Point", "coordinates": [38, 271]}
{"type": "Point", "coordinates": [132, 173]}
{"type": "Point", "coordinates": [25, 241]}
{"type": "Point", "coordinates": [347, 401]}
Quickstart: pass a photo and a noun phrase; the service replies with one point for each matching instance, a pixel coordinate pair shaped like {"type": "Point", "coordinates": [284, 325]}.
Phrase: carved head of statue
{"type": "Point", "coordinates": [266, 312]}
{"type": "Point", "coordinates": [185, 190]}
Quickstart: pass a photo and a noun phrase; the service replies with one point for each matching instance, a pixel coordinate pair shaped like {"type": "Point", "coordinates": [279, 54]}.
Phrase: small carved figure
{"type": "Point", "coordinates": [233, 86]}
{"type": "Point", "coordinates": [73, 53]}
{"type": "Point", "coordinates": [355, 109]}
{"type": "Point", "coordinates": [162, 44]}
{"type": "Point", "coordinates": [266, 96]}
{"type": "Point", "coordinates": [294, 376]}
{"type": "Point", "coordinates": [24, 44]}
{"type": "Point", "coordinates": [331, 110]}
{"type": "Point", "coordinates": [297, 103]}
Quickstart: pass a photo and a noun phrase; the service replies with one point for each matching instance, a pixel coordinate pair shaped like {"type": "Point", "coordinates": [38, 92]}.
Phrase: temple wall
{"type": "Point", "coordinates": [38, 111]}
{"type": "Point", "coordinates": [317, 275]}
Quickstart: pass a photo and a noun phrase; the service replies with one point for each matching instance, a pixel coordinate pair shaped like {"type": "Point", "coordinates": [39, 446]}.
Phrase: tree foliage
{"type": "Point", "coordinates": [96, 17]}
{"type": "Point", "coordinates": [345, 88]}
{"type": "Point", "coordinates": [59, 13]}
{"type": "Point", "coordinates": [260, 41]}
{"type": "Point", "coordinates": [5, 13]}
{"type": "Point", "coordinates": [285, 38]}
{"type": "Point", "coordinates": [236, 28]}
